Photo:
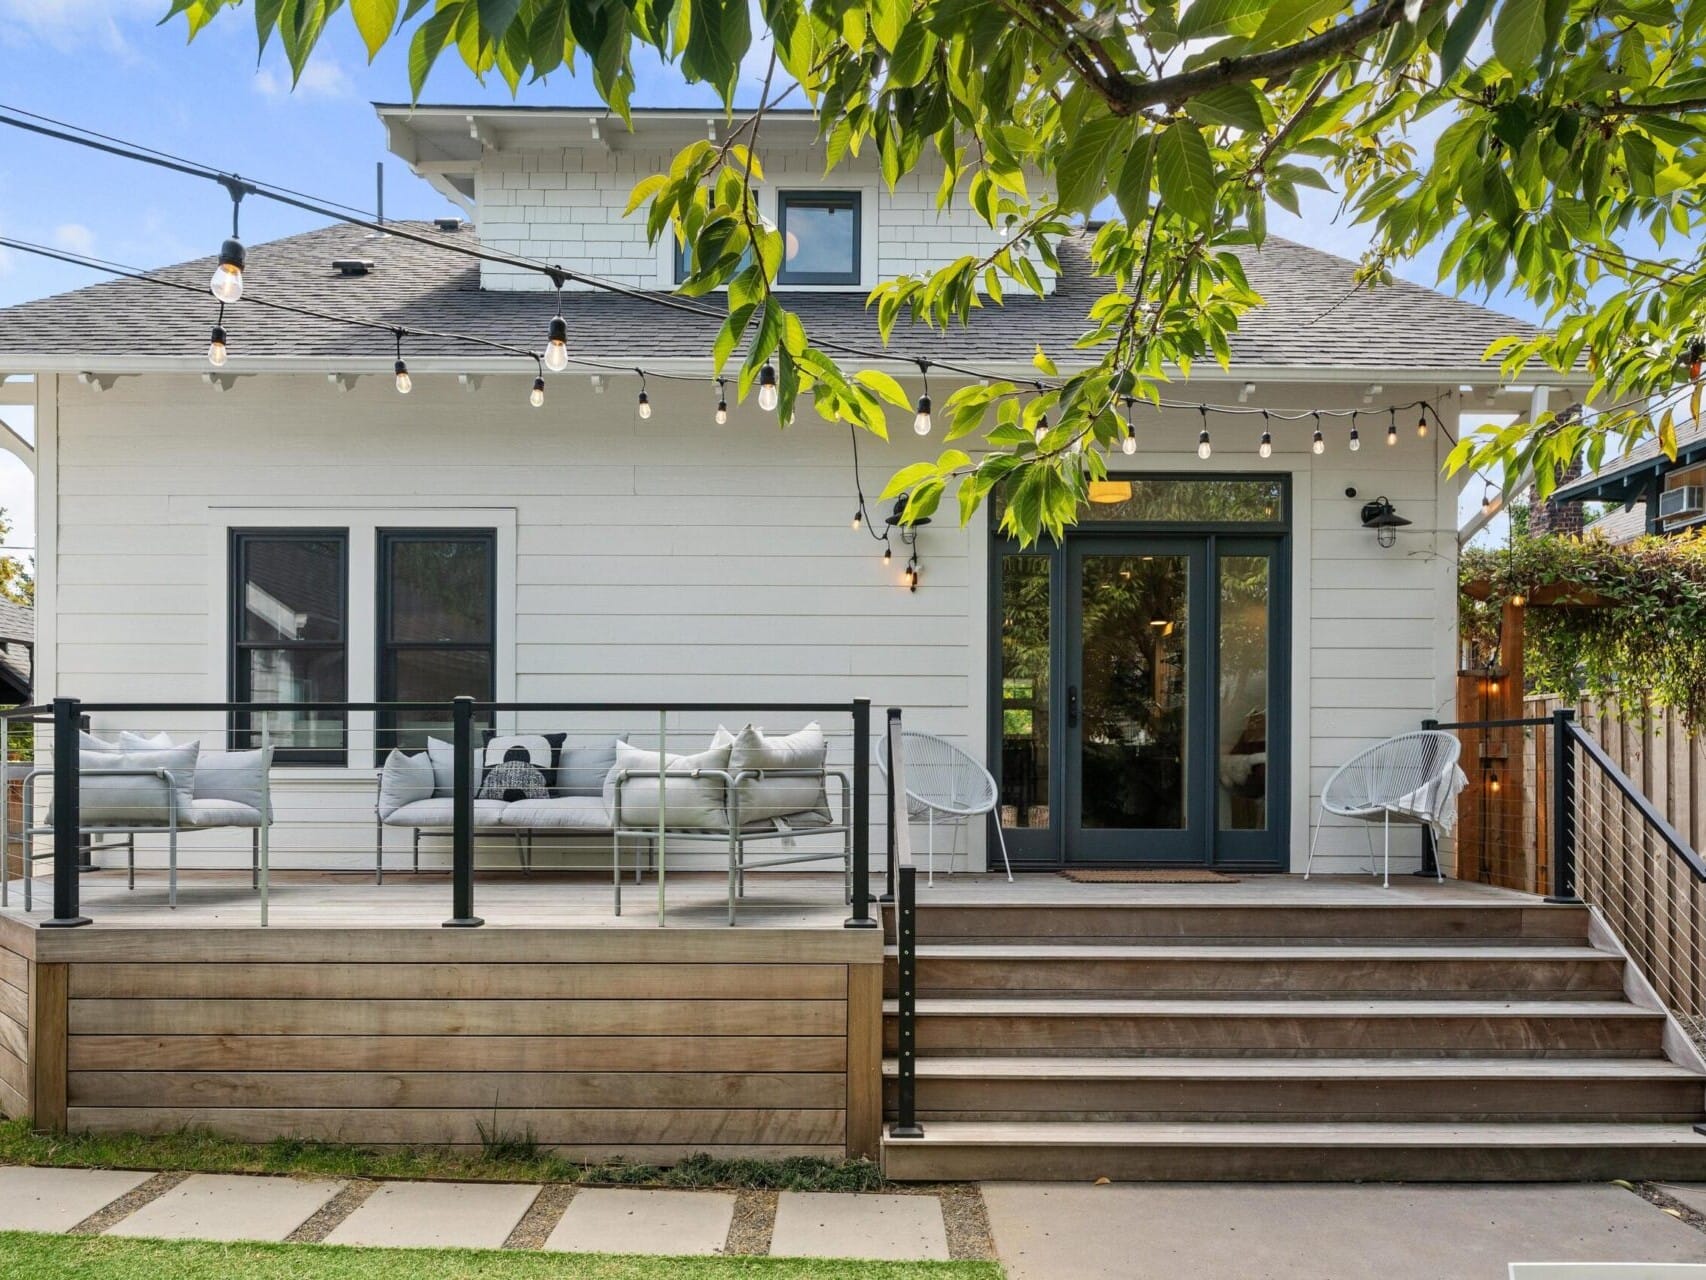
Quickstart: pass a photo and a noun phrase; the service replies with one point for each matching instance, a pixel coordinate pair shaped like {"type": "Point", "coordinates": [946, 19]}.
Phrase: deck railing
{"type": "Point", "coordinates": [1592, 835]}
{"type": "Point", "coordinates": [343, 745]}
{"type": "Point", "coordinates": [903, 888]}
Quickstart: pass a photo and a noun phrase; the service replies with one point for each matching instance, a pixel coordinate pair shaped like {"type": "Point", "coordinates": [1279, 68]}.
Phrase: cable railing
{"type": "Point", "coordinates": [340, 789]}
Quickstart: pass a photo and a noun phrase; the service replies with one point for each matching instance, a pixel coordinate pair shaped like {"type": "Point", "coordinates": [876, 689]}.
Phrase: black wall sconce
{"type": "Point", "coordinates": [1379, 516]}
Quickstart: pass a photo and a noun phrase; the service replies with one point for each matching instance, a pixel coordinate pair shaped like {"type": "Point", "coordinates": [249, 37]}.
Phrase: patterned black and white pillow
{"type": "Point", "coordinates": [514, 778]}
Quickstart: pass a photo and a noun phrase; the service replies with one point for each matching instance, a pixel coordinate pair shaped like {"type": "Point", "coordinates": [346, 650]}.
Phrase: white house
{"type": "Point", "coordinates": [1172, 685]}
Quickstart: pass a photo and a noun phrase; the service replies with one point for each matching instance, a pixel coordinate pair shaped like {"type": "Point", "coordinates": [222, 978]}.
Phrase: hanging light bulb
{"type": "Point", "coordinates": [1356, 440]}
{"type": "Point", "coordinates": [1128, 445]}
{"type": "Point", "coordinates": [227, 282]}
{"type": "Point", "coordinates": [536, 397]}
{"type": "Point", "coordinates": [643, 406]}
{"type": "Point", "coordinates": [1204, 448]}
{"type": "Point", "coordinates": [1489, 501]}
{"type": "Point", "coordinates": [405, 383]}
{"type": "Point", "coordinates": [1422, 424]}
{"type": "Point", "coordinates": [767, 395]}
{"type": "Point", "coordinates": [1041, 433]}
{"type": "Point", "coordinates": [921, 423]}
{"type": "Point", "coordinates": [722, 403]}
{"type": "Point", "coordinates": [1318, 444]}
{"type": "Point", "coordinates": [859, 517]}
{"type": "Point", "coordinates": [557, 345]}
{"type": "Point", "coordinates": [912, 574]}
{"type": "Point", "coordinates": [1391, 427]}
{"type": "Point", "coordinates": [216, 344]}
{"type": "Point", "coordinates": [888, 551]}
{"type": "Point", "coordinates": [1266, 447]}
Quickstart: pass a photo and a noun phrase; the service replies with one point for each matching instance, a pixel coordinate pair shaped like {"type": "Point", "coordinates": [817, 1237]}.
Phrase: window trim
{"type": "Point", "coordinates": [240, 729]}
{"type": "Point", "coordinates": [385, 729]}
{"type": "Point", "coordinates": [851, 199]}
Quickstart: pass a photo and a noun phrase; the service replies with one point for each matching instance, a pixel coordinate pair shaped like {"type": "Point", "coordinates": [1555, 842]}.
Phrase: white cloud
{"type": "Point", "coordinates": [67, 25]}
{"type": "Point", "coordinates": [75, 237]}
{"type": "Point", "coordinates": [321, 78]}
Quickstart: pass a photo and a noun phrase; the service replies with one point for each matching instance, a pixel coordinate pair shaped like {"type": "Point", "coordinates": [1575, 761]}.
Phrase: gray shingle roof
{"type": "Point", "coordinates": [1628, 476]}
{"type": "Point", "coordinates": [17, 622]}
{"type": "Point", "coordinates": [1315, 316]}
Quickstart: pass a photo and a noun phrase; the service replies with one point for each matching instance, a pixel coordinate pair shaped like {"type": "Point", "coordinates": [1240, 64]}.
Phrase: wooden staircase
{"type": "Point", "coordinates": [1459, 1041]}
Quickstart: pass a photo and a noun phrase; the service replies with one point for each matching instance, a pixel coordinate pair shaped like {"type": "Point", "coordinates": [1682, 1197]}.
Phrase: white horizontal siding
{"type": "Point", "coordinates": [673, 560]}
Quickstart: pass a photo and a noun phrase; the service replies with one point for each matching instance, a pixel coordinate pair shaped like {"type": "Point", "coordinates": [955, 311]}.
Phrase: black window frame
{"type": "Point", "coordinates": [852, 200]}
{"type": "Point", "coordinates": [241, 729]}
{"type": "Point", "coordinates": [385, 672]}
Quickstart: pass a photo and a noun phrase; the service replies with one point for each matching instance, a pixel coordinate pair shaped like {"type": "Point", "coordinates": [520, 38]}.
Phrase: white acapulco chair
{"type": "Point", "coordinates": [944, 786]}
{"type": "Point", "coordinates": [1413, 777]}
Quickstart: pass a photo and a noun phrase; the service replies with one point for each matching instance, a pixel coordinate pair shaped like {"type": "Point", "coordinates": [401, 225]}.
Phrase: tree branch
{"type": "Point", "coordinates": [1133, 95]}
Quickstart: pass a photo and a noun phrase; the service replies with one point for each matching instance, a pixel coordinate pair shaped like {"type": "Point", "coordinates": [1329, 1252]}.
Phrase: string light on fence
{"type": "Point", "coordinates": [921, 420]}
{"type": "Point", "coordinates": [1266, 447]}
{"type": "Point", "coordinates": [405, 383]}
{"type": "Point", "coordinates": [767, 394]}
{"type": "Point", "coordinates": [1318, 443]}
{"type": "Point", "coordinates": [1204, 446]}
{"type": "Point", "coordinates": [643, 406]}
{"type": "Point", "coordinates": [722, 414]}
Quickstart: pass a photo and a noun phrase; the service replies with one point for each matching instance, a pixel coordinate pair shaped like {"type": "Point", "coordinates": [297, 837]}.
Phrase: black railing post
{"type": "Point", "coordinates": [85, 844]}
{"type": "Point", "coordinates": [1564, 816]}
{"type": "Point", "coordinates": [889, 845]}
{"type": "Point", "coordinates": [1430, 855]}
{"type": "Point", "coordinates": [906, 942]}
{"type": "Point", "coordinates": [67, 817]}
{"type": "Point", "coordinates": [462, 818]}
{"type": "Point", "coordinates": [861, 917]}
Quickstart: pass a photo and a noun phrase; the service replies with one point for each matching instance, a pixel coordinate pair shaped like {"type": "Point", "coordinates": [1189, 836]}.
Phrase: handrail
{"type": "Point", "coordinates": [1520, 722]}
{"type": "Point", "coordinates": [905, 936]}
{"type": "Point", "coordinates": [1635, 796]}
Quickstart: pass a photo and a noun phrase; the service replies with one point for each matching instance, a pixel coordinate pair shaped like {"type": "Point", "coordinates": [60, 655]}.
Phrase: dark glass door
{"type": "Point", "coordinates": [1136, 701]}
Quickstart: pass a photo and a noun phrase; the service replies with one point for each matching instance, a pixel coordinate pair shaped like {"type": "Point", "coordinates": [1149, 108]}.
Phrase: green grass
{"type": "Point", "coordinates": [30, 1256]}
{"type": "Point", "coordinates": [509, 1160]}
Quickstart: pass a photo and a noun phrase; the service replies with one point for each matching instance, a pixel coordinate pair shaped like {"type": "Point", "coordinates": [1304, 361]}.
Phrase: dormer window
{"type": "Point", "coordinates": [820, 237]}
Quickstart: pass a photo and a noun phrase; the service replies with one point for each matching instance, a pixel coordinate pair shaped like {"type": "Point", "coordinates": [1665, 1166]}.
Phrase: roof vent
{"type": "Point", "coordinates": [352, 266]}
{"type": "Point", "coordinates": [448, 224]}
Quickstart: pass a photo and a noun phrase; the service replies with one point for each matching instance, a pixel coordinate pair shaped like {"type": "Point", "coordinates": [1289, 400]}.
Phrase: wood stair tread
{"type": "Point", "coordinates": [1070, 1133]}
{"type": "Point", "coordinates": [1067, 1069]}
{"type": "Point", "coordinates": [1023, 951]}
{"type": "Point", "coordinates": [1102, 1007]}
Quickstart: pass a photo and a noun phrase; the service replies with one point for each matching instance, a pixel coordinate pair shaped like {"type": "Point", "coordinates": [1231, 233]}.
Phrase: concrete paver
{"type": "Point", "coordinates": [613, 1220]}
{"type": "Point", "coordinates": [209, 1206]}
{"type": "Point", "coordinates": [469, 1215]}
{"type": "Point", "coordinates": [58, 1199]}
{"type": "Point", "coordinates": [834, 1224]}
{"type": "Point", "coordinates": [1139, 1231]}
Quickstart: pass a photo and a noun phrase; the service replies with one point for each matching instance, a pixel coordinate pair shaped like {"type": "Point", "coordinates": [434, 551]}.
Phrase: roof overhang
{"type": "Point", "coordinates": [1630, 482]}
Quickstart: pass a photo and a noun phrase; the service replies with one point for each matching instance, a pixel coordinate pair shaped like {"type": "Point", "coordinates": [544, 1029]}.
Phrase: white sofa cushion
{"type": "Point", "coordinates": [128, 741]}
{"type": "Point", "coordinates": [237, 776]}
{"type": "Point", "coordinates": [566, 813]}
{"type": "Point", "coordinates": [404, 780]}
{"type": "Point", "coordinates": [581, 771]}
{"type": "Point", "coordinates": [89, 742]}
{"type": "Point", "coordinates": [219, 813]}
{"type": "Point", "coordinates": [765, 799]}
{"type": "Point", "coordinates": [133, 800]}
{"type": "Point", "coordinates": [688, 802]}
{"type": "Point", "coordinates": [443, 757]}
{"type": "Point", "coordinates": [436, 813]}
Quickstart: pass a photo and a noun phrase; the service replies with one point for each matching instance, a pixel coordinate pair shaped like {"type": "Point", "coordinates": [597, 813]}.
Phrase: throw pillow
{"type": "Point", "coordinates": [581, 770]}
{"type": "Point", "coordinates": [767, 798]}
{"type": "Point", "coordinates": [237, 776]}
{"type": "Point", "coordinates": [443, 757]}
{"type": "Point", "coordinates": [89, 742]}
{"type": "Point", "coordinates": [515, 777]}
{"type": "Point", "coordinates": [133, 798]}
{"type": "Point", "coordinates": [688, 802]}
{"type": "Point", "coordinates": [543, 749]}
{"type": "Point", "coordinates": [128, 741]}
{"type": "Point", "coordinates": [404, 780]}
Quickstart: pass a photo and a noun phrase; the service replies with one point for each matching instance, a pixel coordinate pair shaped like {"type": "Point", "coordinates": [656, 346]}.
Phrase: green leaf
{"type": "Point", "coordinates": [1236, 105]}
{"type": "Point", "coordinates": [1519, 34]}
{"type": "Point", "coordinates": [1131, 188]}
{"type": "Point", "coordinates": [1041, 360]}
{"type": "Point", "coordinates": [1185, 172]}
{"type": "Point", "coordinates": [903, 480]}
{"type": "Point", "coordinates": [266, 18]}
{"type": "Point", "coordinates": [1081, 173]}
{"type": "Point", "coordinates": [1290, 20]}
{"type": "Point", "coordinates": [888, 20]}
{"type": "Point", "coordinates": [429, 41]}
{"type": "Point", "coordinates": [1460, 35]}
{"type": "Point", "coordinates": [375, 19]}
{"type": "Point", "coordinates": [1203, 18]}
{"type": "Point", "coordinates": [885, 386]}
{"type": "Point", "coordinates": [496, 16]}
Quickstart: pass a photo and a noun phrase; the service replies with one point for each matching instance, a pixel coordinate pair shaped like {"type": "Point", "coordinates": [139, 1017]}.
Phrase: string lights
{"type": "Point", "coordinates": [1128, 443]}
{"type": "Point", "coordinates": [405, 383]}
{"type": "Point", "coordinates": [1266, 447]}
{"type": "Point", "coordinates": [536, 397]}
{"type": "Point", "coordinates": [1318, 442]}
{"type": "Point", "coordinates": [1356, 440]}
{"type": "Point", "coordinates": [921, 421]}
{"type": "Point", "coordinates": [643, 406]}
{"type": "Point", "coordinates": [1204, 447]}
{"type": "Point", "coordinates": [1391, 428]}
{"type": "Point", "coordinates": [227, 282]}
{"type": "Point", "coordinates": [216, 354]}
{"type": "Point", "coordinates": [767, 394]}
{"type": "Point", "coordinates": [722, 414]}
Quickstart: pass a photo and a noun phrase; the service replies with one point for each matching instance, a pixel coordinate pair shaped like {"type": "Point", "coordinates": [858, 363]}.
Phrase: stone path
{"type": "Point", "coordinates": [908, 1227]}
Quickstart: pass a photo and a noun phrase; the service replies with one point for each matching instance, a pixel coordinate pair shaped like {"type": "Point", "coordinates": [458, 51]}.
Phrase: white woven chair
{"type": "Point", "coordinates": [945, 785]}
{"type": "Point", "coordinates": [1412, 776]}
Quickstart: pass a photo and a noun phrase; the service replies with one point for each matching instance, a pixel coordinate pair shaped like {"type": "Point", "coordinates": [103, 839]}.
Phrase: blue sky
{"type": "Point", "coordinates": [105, 64]}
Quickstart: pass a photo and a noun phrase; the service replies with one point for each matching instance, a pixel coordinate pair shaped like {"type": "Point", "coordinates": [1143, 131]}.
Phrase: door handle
{"type": "Point", "coordinates": [1072, 706]}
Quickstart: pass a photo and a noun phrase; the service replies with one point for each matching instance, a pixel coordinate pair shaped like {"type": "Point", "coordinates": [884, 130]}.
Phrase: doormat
{"type": "Point", "coordinates": [1087, 876]}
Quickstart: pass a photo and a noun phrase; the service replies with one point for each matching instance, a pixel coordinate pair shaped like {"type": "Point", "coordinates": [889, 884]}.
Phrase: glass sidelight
{"type": "Point", "coordinates": [1026, 690]}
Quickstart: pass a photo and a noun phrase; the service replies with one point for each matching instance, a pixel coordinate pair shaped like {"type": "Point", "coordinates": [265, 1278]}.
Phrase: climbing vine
{"type": "Point", "coordinates": [1624, 623]}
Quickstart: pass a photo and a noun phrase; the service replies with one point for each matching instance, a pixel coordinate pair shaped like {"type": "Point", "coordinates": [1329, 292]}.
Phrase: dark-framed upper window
{"type": "Point", "coordinates": [820, 236]}
{"type": "Point", "coordinates": [436, 624]}
{"type": "Point", "coordinates": [290, 639]}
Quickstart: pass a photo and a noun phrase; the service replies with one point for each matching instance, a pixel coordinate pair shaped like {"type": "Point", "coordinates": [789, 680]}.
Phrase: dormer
{"type": "Point", "coordinates": [552, 184]}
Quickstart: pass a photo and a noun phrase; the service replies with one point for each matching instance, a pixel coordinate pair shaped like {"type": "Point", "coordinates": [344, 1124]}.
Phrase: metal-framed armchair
{"type": "Point", "coordinates": [1413, 777]}
{"type": "Point", "coordinates": [946, 785]}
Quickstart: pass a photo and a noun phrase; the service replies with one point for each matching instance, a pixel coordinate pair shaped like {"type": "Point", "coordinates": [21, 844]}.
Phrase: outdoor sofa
{"type": "Point", "coordinates": [145, 784]}
{"type": "Point", "coordinates": [744, 788]}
